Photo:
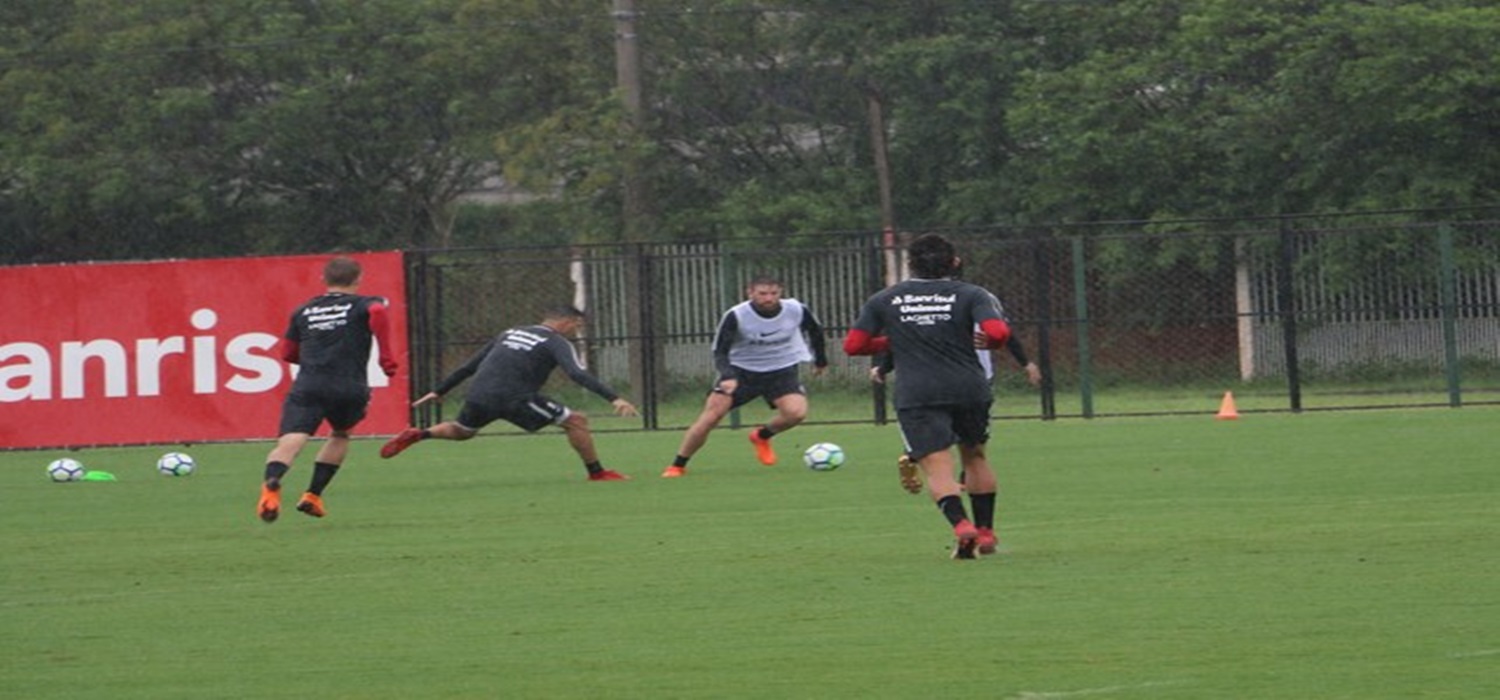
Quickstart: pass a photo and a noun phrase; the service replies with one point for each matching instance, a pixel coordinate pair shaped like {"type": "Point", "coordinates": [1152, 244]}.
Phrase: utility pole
{"type": "Point", "coordinates": [628, 79]}
{"type": "Point", "coordinates": [645, 375]}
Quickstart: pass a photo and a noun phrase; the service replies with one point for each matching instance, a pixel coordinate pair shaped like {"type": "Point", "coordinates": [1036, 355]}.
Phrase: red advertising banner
{"type": "Point", "coordinates": [173, 351]}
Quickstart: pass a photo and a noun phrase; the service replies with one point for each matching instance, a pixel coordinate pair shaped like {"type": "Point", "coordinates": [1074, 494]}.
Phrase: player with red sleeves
{"type": "Point", "coordinates": [942, 396]}
{"type": "Point", "coordinates": [329, 337]}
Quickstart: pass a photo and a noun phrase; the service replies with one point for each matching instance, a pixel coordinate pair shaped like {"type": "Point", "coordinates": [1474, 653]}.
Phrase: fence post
{"type": "Point", "coordinates": [1287, 303]}
{"type": "Point", "coordinates": [1447, 289]}
{"type": "Point", "coordinates": [1042, 257]}
{"type": "Point", "coordinates": [1081, 305]}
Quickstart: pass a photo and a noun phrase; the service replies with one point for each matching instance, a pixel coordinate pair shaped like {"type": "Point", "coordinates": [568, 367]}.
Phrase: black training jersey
{"type": "Point", "coordinates": [516, 363]}
{"type": "Point", "coordinates": [930, 323]}
{"type": "Point", "coordinates": [333, 336]}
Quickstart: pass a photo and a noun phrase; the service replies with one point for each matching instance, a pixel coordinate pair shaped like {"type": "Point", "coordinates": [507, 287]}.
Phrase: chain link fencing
{"type": "Point", "coordinates": [1288, 314]}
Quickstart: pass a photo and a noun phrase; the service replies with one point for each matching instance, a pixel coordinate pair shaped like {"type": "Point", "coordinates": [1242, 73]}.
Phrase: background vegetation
{"type": "Point", "coordinates": [182, 128]}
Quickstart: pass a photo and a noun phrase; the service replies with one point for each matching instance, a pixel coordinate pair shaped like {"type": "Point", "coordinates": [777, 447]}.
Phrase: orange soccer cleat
{"type": "Point", "coordinates": [763, 451]}
{"type": "Point", "coordinates": [312, 504]}
{"type": "Point", "coordinates": [269, 507]}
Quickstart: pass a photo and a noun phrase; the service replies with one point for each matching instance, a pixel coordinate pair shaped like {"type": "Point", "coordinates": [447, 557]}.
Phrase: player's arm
{"type": "Point", "coordinates": [291, 344]}
{"type": "Point", "coordinates": [1033, 373]}
{"type": "Point", "coordinates": [458, 376]}
{"type": "Point", "coordinates": [863, 338]}
{"type": "Point", "coordinates": [813, 330]}
{"type": "Point", "coordinates": [380, 329]}
{"type": "Point", "coordinates": [567, 359]}
{"type": "Point", "coordinates": [991, 317]}
{"type": "Point", "coordinates": [728, 330]}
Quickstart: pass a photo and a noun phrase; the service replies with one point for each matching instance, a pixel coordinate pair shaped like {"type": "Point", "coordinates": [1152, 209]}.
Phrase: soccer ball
{"type": "Point", "coordinates": [175, 464]}
{"type": "Point", "coordinates": [65, 469]}
{"type": "Point", "coordinates": [823, 457]}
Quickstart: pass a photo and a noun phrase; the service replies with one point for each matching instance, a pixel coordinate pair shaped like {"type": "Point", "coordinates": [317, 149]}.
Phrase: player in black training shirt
{"type": "Point", "coordinates": [942, 395]}
{"type": "Point", "coordinates": [509, 372]}
{"type": "Point", "coordinates": [329, 338]}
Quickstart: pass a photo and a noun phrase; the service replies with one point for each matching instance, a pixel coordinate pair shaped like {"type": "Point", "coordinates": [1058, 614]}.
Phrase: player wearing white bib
{"type": "Point", "coordinates": [758, 347]}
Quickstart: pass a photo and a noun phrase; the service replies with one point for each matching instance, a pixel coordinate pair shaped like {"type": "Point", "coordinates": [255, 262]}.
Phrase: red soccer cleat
{"type": "Point", "coordinates": [968, 539]}
{"type": "Point", "coordinates": [608, 475]}
{"type": "Point", "coordinates": [673, 472]}
{"type": "Point", "coordinates": [403, 440]}
{"type": "Point", "coordinates": [987, 541]}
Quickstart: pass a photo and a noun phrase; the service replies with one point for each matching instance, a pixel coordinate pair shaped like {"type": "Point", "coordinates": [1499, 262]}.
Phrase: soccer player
{"type": "Point", "coordinates": [329, 338]}
{"type": "Point", "coordinates": [757, 349]}
{"type": "Point", "coordinates": [884, 365]}
{"type": "Point", "coordinates": [509, 372]}
{"type": "Point", "coordinates": [942, 396]}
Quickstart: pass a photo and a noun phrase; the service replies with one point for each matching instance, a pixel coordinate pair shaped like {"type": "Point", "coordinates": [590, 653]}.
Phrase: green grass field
{"type": "Point", "coordinates": [1324, 555]}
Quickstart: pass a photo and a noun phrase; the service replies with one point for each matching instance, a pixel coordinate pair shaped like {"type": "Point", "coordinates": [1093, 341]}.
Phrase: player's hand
{"type": "Point", "coordinates": [1033, 374]}
{"type": "Point", "coordinates": [981, 340]}
{"type": "Point", "coordinates": [877, 376]}
{"type": "Point", "coordinates": [727, 386]}
{"type": "Point", "coordinates": [429, 396]}
{"type": "Point", "coordinates": [624, 408]}
{"type": "Point", "coordinates": [818, 370]}
{"type": "Point", "coordinates": [389, 366]}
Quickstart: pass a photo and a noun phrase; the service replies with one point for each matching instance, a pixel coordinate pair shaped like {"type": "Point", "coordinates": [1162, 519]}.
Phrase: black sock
{"type": "Point", "coordinates": [593, 467]}
{"type": "Point", "coordinates": [765, 432]}
{"type": "Point", "coordinates": [322, 474]}
{"type": "Point", "coordinates": [276, 470]}
{"type": "Point", "coordinates": [953, 509]}
{"type": "Point", "coordinates": [984, 509]}
{"type": "Point", "coordinates": [680, 461]}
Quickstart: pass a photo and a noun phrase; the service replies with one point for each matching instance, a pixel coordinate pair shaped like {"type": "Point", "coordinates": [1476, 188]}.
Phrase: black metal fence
{"type": "Point", "coordinates": [1289, 314]}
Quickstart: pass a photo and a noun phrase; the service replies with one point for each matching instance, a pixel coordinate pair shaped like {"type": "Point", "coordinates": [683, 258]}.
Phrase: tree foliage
{"type": "Point", "coordinates": [182, 127]}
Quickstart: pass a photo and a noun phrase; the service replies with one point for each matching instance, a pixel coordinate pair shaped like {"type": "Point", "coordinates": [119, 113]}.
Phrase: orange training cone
{"type": "Point", "coordinates": [1227, 410]}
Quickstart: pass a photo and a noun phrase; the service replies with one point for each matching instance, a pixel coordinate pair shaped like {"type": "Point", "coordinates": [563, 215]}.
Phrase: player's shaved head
{"type": "Point", "coordinates": [341, 272]}
{"type": "Point", "coordinates": [561, 312]}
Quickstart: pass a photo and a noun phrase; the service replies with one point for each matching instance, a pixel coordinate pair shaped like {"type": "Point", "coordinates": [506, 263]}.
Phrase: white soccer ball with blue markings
{"type": "Point", "coordinates": [65, 469]}
{"type": "Point", "coordinates": [176, 464]}
{"type": "Point", "coordinates": [823, 457]}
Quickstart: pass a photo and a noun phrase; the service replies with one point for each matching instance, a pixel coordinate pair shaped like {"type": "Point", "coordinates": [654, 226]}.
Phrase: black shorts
{"type": "Point", "coordinates": [928, 429]}
{"type": "Point", "coordinates": [530, 413]}
{"type": "Point", "coordinates": [306, 407]}
{"type": "Point", "coordinates": [767, 385]}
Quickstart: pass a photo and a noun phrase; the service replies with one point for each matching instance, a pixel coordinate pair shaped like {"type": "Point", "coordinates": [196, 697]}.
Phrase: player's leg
{"type": "Point", "coordinates": [343, 415]}
{"type": "Point", "coordinates": [278, 463]}
{"type": "Point", "coordinates": [786, 395]}
{"type": "Point", "coordinates": [928, 433]}
{"type": "Point", "coordinates": [325, 466]}
{"type": "Point", "coordinates": [972, 427]}
{"type": "Point", "coordinates": [301, 413]}
{"type": "Point", "coordinates": [470, 419]}
{"type": "Point", "coordinates": [715, 407]}
{"type": "Point", "coordinates": [576, 426]}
